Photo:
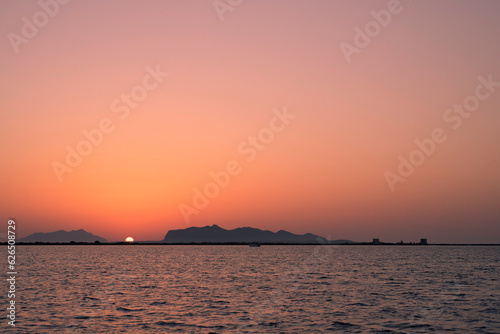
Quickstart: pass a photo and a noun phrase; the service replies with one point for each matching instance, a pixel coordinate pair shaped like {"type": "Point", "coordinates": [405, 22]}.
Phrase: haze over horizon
{"type": "Point", "coordinates": [206, 88]}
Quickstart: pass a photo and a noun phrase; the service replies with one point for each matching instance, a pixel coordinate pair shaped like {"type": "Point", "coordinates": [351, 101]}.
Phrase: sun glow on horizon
{"type": "Point", "coordinates": [129, 239]}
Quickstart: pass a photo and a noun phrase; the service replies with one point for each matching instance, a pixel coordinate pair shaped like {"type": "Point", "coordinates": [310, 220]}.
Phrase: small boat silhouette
{"type": "Point", "coordinates": [254, 244]}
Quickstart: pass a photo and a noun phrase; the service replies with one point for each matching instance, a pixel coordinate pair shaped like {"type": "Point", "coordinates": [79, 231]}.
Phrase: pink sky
{"type": "Point", "coordinates": [324, 173]}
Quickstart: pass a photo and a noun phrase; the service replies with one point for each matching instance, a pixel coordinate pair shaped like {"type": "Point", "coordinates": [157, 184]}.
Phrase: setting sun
{"type": "Point", "coordinates": [129, 239]}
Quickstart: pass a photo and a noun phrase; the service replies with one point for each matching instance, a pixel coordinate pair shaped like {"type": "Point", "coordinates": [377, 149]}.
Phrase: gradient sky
{"type": "Point", "coordinates": [323, 174]}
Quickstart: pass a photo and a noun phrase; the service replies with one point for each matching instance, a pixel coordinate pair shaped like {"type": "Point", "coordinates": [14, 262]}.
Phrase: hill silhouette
{"type": "Point", "coordinates": [63, 236]}
{"type": "Point", "coordinates": [216, 234]}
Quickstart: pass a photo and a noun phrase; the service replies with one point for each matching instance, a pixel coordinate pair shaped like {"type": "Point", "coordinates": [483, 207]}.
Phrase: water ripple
{"type": "Point", "coordinates": [274, 289]}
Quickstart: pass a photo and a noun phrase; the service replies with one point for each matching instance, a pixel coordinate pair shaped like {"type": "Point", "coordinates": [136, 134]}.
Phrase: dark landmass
{"type": "Point", "coordinates": [216, 234]}
{"type": "Point", "coordinates": [213, 235]}
{"type": "Point", "coordinates": [62, 236]}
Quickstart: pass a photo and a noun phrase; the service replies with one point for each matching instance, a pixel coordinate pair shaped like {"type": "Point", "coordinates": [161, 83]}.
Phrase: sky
{"type": "Point", "coordinates": [347, 119]}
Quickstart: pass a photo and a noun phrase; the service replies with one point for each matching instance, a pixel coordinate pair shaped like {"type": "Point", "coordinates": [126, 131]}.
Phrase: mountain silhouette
{"type": "Point", "coordinates": [216, 234]}
{"type": "Point", "coordinates": [63, 236]}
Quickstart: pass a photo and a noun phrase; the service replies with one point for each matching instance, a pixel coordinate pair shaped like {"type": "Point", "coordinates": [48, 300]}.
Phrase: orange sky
{"type": "Point", "coordinates": [323, 173]}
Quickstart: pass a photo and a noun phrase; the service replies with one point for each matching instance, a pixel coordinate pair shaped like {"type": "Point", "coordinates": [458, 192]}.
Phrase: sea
{"type": "Point", "coordinates": [267, 289]}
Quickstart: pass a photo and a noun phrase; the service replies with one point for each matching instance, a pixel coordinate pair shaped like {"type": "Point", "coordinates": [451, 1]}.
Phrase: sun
{"type": "Point", "coordinates": [129, 239]}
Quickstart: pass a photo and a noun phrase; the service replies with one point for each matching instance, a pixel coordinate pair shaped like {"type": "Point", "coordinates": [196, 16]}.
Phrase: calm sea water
{"type": "Point", "coordinates": [271, 289]}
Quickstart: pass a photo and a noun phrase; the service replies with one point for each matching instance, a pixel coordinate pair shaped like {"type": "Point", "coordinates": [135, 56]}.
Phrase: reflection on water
{"type": "Point", "coordinates": [271, 289]}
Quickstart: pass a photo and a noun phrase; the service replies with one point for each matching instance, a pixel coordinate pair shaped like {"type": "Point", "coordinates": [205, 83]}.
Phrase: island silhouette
{"type": "Point", "coordinates": [63, 236]}
{"type": "Point", "coordinates": [217, 234]}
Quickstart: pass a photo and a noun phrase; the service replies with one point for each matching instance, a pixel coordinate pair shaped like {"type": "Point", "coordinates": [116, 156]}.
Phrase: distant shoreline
{"type": "Point", "coordinates": [228, 244]}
